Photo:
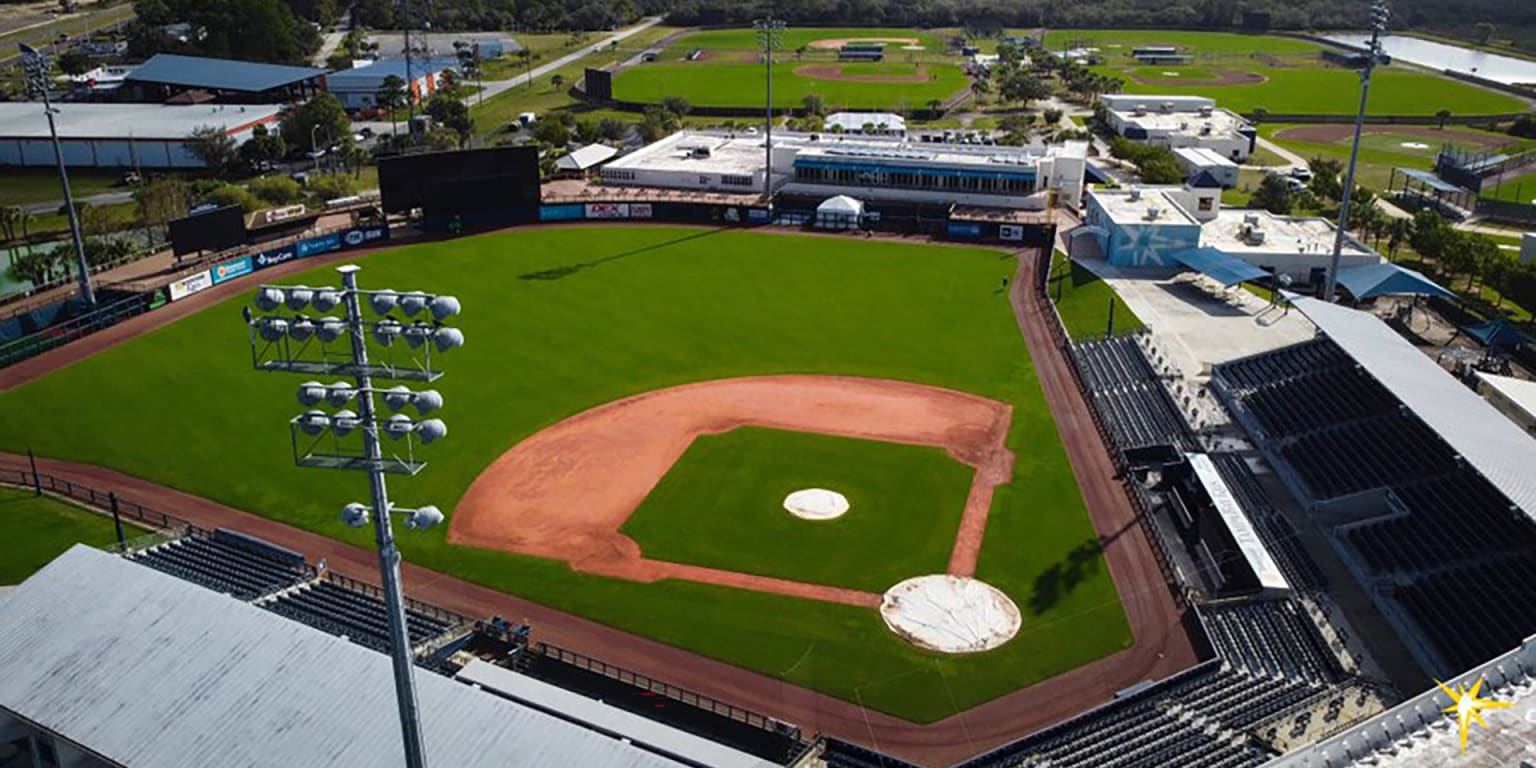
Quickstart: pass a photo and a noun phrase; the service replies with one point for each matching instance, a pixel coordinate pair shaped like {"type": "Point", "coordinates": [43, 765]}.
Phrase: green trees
{"type": "Point", "coordinates": [1155, 164]}
{"type": "Point", "coordinates": [1325, 178]}
{"type": "Point", "coordinates": [451, 113]}
{"type": "Point", "coordinates": [321, 119]}
{"type": "Point", "coordinates": [214, 148]}
{"type": "Point", "coordinates": [264, 146]}
{"type": "Point", "coordinates": [251, 30]}
{"type": "Point", "coordinates": [1273, 195]}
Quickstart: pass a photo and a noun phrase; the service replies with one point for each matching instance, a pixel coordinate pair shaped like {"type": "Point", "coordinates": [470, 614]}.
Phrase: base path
{"type": "Point", "coordinates": [1218, 77]}
{"type": "Point", "coordinates": [564, 492]}
{"type": "Point", "coordinates": [1161, 646]}
{"type": "Point", "coordinates": [835, 72]}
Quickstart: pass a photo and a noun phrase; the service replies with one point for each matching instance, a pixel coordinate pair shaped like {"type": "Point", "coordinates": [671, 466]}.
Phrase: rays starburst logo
{"type": "Point", "coordinates": [1468, 707]}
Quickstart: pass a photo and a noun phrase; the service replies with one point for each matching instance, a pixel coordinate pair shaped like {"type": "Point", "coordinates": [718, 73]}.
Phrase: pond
{"type": "Point", "coordinates": [1441, 56]}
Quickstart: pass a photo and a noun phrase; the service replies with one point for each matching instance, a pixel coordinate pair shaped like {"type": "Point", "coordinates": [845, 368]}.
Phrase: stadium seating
{"type": "Point", "coordinates": [330, 607]}
{"type": "Point", "coordinates": [841, 754]}
{"type": "Point", "coordinates": [235, 566]}
{"type": "Point", "coordinates": [1278, 534]}
{"type": "Point", "coordinates": [1271, 637]}
{"type": "Point", "coordinates": [1129, 396]}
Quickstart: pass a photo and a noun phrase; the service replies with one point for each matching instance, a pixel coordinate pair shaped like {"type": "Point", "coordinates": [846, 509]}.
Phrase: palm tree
{"type": "Point", "coordinates": [527, 58]}
{"type": "Point", "coordinates": [1443, 115]}
{"type": "Point", "coordinates": [935, 106]}
{"type": "Point", "coordinates": [557, 80]}
{"type": "Point", "coordinates": [391, 96]}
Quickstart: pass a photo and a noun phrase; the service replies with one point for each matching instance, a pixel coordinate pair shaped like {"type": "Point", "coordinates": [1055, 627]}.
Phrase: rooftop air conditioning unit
{"type": "Point", "coordinates": [1167, 106]}
{"type": "Point", "coordinates": [1134, 193]}
{"type": "Point", "coordinates": [699, 152]}
{"type": "Point", "coordinates": [1251, 219]}
{"type": "Point", "coordinates": [1205, 111]}
{"type": "Point", "coordinates": [1140, 110]}
{"type": "Point", "coordinates": [1256, 236]}
{"type": "Point", "coordinates": [1153, 212]}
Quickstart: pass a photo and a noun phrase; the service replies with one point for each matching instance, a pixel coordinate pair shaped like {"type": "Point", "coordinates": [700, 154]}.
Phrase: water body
{"type": "Point", "coordinates": [1427, 53]}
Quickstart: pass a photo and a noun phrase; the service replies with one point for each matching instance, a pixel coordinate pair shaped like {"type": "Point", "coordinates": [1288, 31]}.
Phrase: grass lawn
{"type": "Point", "coordinates": [1519, 189]}
{"type": "Point", "coordinates": [1084, 301]}
{"type": "Point", "coordinates": [1248, 180]}
{"type": "Point", "coordinates": [1380, 152]}
{"type": "Point", "coordinates": [1315, 90]}
{"type": "Point", "coordinates": [40, 528]}
{"type": "Point", "coordinates": [635, 309]}
{"type": "Point", "coordinates": [1262, 156]}
{"type": "Point", "coordinates": [723, 501]}
{"type": "Point", "coordinates": [745, 39]}
{"type": "Point", "coordinates": [723, 84]}
{"type": "Point", "coordinates": [36, 185]}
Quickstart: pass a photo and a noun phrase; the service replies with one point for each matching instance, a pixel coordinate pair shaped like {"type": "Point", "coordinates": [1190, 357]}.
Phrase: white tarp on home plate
{"type": "Point", "coordinates": [1490, 443]}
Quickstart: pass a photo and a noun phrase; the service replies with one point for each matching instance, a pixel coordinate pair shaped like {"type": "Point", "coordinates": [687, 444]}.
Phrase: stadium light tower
{"type": "Point", "coordinates": [770, 34]}
{"type": "Point", "coordinates": [35, 68]}
{"type": "Point", "coordinates": [300, 343]}
{"type": "Point", "coordinates": [1368, 61]}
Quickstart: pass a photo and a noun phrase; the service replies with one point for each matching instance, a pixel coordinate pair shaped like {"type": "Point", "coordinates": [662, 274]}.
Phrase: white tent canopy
{"type": "Point", "coordinates": [840, 212]}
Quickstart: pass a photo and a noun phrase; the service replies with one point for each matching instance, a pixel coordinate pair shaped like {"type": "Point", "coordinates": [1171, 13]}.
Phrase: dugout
{"type": "Point", "coordinates": [1216, 531]}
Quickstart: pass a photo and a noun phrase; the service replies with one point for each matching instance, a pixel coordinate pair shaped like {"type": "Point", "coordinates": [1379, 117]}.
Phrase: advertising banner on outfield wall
{"type": "Point", "coordinates": [963, 229]}
{"type": "Point", "coordinates": [275, 257]}
{"type": "Point", "coordinates": [757, 215]}
{"type": "Point", "coordinates": [569, 212]}
{"type": "Point", "coordinates": [1010, 232]}
{"type": "Point", "coordinates": [607, 210]}
{"type": "Point", "coordinates": [640, 210]}
{"type": "Point", "coordinates": [360, 236]}
{"type": "Point", "coordinates": [231, 269]}
{"type": "Point", "coordinates": [318, 245]}
{"type": "Point", "coordinates": [190, 284]}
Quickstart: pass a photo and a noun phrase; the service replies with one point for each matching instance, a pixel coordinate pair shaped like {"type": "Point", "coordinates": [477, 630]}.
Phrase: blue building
{"type": "Point", "coordinates": [358, 88]}
{"type": "Point", "coordinates": [1142, 228]}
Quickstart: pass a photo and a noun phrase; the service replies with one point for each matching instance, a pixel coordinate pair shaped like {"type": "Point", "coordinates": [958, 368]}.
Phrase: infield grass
{"type": "Point", "coordinates": [711, 84]}
{"type": "Point", "coordinates": [722, 502]}
{"type": "Point", "coordinates": [560, 320]}
{"type": "Point", "coordinates": [40, 528]}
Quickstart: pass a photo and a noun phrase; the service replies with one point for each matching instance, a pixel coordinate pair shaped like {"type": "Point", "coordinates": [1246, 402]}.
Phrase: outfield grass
{"type": "Point", "coordinates": [727, 85]}
{"type": "Point", "coordinates": [1195, 42]}
{"type": "Point", "coordinates": [1084, 301]}
{"type": "Point", "coordinates": [797, 37]}
{"type": "Point", "coordinates": [1519, 189]}
{"type": "Point", "coordinates": [40, 528]}
{"type": "Point", "coordinates": [723, 501]}
{"type": "Point", "coordinates": [560, 320]}
{"type": "Point", "coordinates": [1310, 90]}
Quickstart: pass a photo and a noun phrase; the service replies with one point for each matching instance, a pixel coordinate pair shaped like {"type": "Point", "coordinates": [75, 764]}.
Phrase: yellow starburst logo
{"type": "Point", "coordinates": [1468, 706]}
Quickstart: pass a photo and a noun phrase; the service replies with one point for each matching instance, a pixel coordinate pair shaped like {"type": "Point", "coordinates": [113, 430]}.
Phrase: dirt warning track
{"type": "Point", "coordinates": [564, 492]}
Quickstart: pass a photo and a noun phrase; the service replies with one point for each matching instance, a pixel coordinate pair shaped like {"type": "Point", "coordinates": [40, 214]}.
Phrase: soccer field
{"type": "Point", "coordinates": [562, 320]}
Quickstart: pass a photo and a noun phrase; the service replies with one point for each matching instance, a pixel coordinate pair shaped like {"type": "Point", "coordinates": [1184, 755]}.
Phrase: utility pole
{"type": "Point", "coordinates": [1369, 60]}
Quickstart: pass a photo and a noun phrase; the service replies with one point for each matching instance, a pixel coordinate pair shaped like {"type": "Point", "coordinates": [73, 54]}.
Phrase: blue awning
{"type": "Point", "coordinates": [1388, 280]}
{"type": "Point", "coordinates": [1430, 180]}
{"type": "Point", "coordinates": [1227, 270]}
{"type": "Point", "coordinates": [1498, 333]}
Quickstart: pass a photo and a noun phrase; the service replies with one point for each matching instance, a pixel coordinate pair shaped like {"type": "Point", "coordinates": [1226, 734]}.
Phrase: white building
{"type": "Point", "coordinates": [866, 168]}
{"type": "Point", "coordinates": [360, 87]}
{"type": "Point", "coordinates": [1198, 160]}
{"type": "Point", "coordinates": [122, 135]}
{"type": "Point", "coordinates": [1515, 398]}
{"type": "Point", "coordinates": [877, 123]}
{"type": "Point", "coordinates": [1150, 226]}
{"type": "Point", "coordinates": [1180, 121]}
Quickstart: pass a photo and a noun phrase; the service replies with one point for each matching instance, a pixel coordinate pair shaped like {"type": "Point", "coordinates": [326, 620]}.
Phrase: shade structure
{"type": "Point", "coordinates": [1219, 266]}
{"type": "Point", "coordinates": [1497, 333]}
{"type": "Point", "coordinates": [1387, 279]}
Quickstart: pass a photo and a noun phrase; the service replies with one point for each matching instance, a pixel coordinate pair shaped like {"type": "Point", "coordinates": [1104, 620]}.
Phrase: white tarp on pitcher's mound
{"type": "Point", "coordinates": [950, 614]}
{"type": "Point", "coordinates": [816, 504]}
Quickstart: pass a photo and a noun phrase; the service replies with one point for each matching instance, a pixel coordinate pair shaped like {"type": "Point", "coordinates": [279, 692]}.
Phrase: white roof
{"type": "Point", "coordinates": [608, 718]}
{"type": "Point", "coordinates": [1282, 234]}
{"type": "Point", "coordinates": [1131, 206]}
{"type": "Point", "coordinates": [1488, 441]}
{"type": "Point", "coordinates": [1231, 513]}
{"type": "Point", "coordinates": [1518, 391]}
{"type": "Point", "coordinates": [145, 669]}
{"type": "Point", "coordinates": [25, 120]}
{"type": "Point", "coordinates": [1116, 102]}
{"type": "Point", "coordinates": [583, 158]}
{"type": "Point", "coordinates": [855, 121]}
{"type": "Point", "coordinates": [1204, 157]}
{"type": "Point", "coordinates": [840, 204]}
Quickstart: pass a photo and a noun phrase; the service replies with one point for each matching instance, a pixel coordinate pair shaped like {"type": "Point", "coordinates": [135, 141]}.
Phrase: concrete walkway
{"type": "Point", "coordinates": [494, 87]}
{"type": "Point", "coordinates": [1290, 157]}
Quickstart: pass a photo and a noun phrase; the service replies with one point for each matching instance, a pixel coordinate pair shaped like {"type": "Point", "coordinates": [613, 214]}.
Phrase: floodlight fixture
{"type": "Point", "coordinates": [299, 297]}
{"type": "Point", "coordinates": [432, 430]}
{"type": "Point", "coordinates": [398, 426]}
{"type": "Point", "coordinates": [326, 299]}
{"type": "Point", "coordinates": [311, 393]}
{"type": "Point", "coordinates": [424, 517]}
{"type": "Point", "coordinates": [417, 335]}
{"type": "Point", "coordinates": [344, 422]}
{"type": "Point", "coordinates": [383, 301]}
{"type": "Point", "coordinates": [273, 328]}
{"type": "Point", "coordinates": [355, 515]}
{"type": "Point", "coordinates": [301, 329]}
{"type": "Point", "coordinates": [414, 302]}
{"type": "Point", "coordinates": [386, 331]}
{"type": "Point", "coordinates": [331, 329]}
{"type": "Point", "coordinates": [269, 299]}
{"type": "Point", "coordinates": [314, 422]}
{"type": "Point", "coordinates": [448, 338]}
{"type": "Point", "coordinates": [340, 393]}
{"type": "Point", "coordinates": [444, 307]}
{"type": "Point", "coordinates": [427, 401]}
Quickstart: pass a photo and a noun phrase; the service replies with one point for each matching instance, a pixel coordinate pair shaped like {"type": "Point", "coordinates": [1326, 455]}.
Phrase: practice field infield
{"type": "Point", "coordinates": [1117, 43]}
{"type": "Point", "coordinates": [723, 502]}
{"type": "Point", "coordinates": [854, 85]}
{"type": "Point", "coordinates": [794, 38]}
{"type": "Point", "coordinates": [562, 321]}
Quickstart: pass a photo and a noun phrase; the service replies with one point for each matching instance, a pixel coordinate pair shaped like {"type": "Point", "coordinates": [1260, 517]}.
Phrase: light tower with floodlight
{"type": "Point", "coordinates": [301, 343]}
{"type": "Point", "coordinates": [770, 35]}
{"type": "Point", "coordinates": [35, 68]}
{"type": "Point", "coordinates": [1374, 55]}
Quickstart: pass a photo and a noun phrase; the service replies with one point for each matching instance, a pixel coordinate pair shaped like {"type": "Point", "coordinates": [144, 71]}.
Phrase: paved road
{"type": "Point", "coordinates": [494, 87]}
{"type": "Point", "coordinates": [1290, 157]}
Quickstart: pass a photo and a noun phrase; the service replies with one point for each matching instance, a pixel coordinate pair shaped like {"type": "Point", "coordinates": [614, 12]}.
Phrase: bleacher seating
{"type": "Point", "coordinates": [841, 754]}
{"type": "Point", "coordinates": [241, 567]}
{"type": "Point", "coordinates": [360, 617]}
{"type": "Point", "coordinates": [1129, 396]}
{"type": "Point", "coordinates": [1453, 547]}
{"type": "Point", "coordinates": [1270, 637]}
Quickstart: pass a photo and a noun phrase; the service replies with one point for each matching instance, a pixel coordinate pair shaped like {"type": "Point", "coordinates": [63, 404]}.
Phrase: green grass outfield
{"type": "Point", "coordinates": [40, 528]}
{"type": "Point", "coordinates": [721, 506]}
{"type": "Point", "coordinates": [796, 37]}
{"type": "Point", "coordinates": [1083, 300]}
{"type": "Point", "coordinates": [634, 309]}
{"type": "Point", "coordinates": [1519, 189]}
{"type": "Point", "coordinates": [1313, 90]}
{"type": "Point", "coordinates": [1381, 149]}
{"type": "Point", "coordinates": [1194, 42]}
{"type": "Point", "coordinates": [710, 84]}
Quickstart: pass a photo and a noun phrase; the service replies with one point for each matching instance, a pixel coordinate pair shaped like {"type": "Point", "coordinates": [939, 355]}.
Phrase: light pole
{"type": "Point", "coordinates": [1373, 56]}
{"type": "Point", "coordinates": [314, 145]}
{"type": "Point", "coordinates": [35, 67]}
{"type": "Point", "coordinates": [770, 33]}
{"type": "Point", "coordinates": [300, 343]}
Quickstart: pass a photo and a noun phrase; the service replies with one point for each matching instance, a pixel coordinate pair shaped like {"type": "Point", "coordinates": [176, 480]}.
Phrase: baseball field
{"type": "Point", "coordinates": [721, 68]}
{"type": "Point", "coordinates": [1279, 74]}
{"type": "Point", "coordinates": [693, 375]}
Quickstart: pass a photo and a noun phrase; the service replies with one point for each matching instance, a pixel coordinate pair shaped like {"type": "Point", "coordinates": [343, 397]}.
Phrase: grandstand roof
{"type": "Point", "coordinates": [144, 669]}
{"type": "Point", "coordinates": [1488, 441]}
{"type": "Point", "coordinates": [219, 74]}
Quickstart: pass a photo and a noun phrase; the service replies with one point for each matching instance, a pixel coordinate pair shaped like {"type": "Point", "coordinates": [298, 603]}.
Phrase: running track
{"type": "Point", "coordinates": [1161, 646]}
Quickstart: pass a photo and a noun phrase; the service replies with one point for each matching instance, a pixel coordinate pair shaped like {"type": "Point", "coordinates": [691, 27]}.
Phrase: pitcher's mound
{"type": "Point", "coordinates": [816, 504]}
{"type": "Point", "coordinates": [950, 614]}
